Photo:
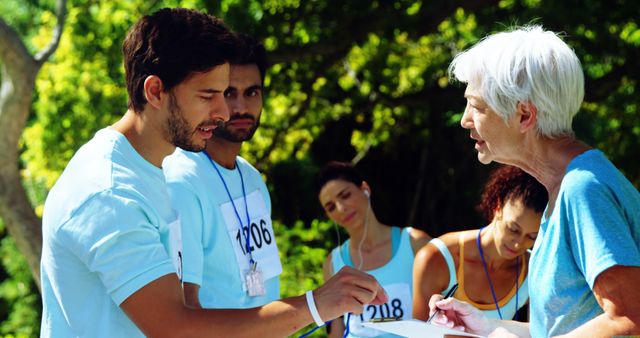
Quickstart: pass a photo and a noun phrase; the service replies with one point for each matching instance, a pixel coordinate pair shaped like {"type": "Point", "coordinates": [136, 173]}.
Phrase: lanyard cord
{"type": "Point", "coordinates": [486, 270]}
{"type": "Point", "coordinates": [247, 235]}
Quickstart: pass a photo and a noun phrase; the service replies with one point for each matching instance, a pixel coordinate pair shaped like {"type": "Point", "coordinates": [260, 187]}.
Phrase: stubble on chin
{"type": "Point", "coordinates": [178, 131]}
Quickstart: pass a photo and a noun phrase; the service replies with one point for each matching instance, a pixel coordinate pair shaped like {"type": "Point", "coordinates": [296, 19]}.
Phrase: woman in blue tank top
{"type": "Point", "coordinates": [490, 264]}
{"type": "Point", "coordinates": [383, 251]}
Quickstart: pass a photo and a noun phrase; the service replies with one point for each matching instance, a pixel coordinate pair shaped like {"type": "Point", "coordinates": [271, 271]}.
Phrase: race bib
{"type": "Point", "coordinates": [400, 305]}
{"type": "Point", "coordinates": [262, 242]}
{"type": "Point", "coordinates": [175, 244]}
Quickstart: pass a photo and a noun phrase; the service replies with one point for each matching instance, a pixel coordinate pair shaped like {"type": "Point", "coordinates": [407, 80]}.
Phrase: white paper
{"type": "Point", "coordinates": [417, 329]}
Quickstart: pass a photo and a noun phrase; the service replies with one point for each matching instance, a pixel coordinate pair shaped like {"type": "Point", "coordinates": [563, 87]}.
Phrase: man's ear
{"type": "Point", "coordinates": [153, 88]}
{"type": "Point", "coordinates": [527, 116]}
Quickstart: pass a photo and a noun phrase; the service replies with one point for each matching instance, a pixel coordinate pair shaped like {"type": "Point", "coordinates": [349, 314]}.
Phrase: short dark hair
{"type": "Point", "coordinates": [336, 170]}
{"type": "Point", "coordinates": [172, 43]}
{"type": "Point", "coordinates": [508, 183]}
{"type": "Point", "coordinates": [251, 51]}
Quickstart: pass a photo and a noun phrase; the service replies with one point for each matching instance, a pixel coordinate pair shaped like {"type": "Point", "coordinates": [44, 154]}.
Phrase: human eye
{"type": "Point", "coordinates": [476, 108]}
{"type": "Point", "coordinates": [533, 236]}
{"type": "Point", "coordinates": [253, 92]}
{"type": "Point", "coordinates": [229, 92]}
{"type": "Point", "coordinates": [330, 207]}
{"type": "Point", "coordinates": [206, 98]}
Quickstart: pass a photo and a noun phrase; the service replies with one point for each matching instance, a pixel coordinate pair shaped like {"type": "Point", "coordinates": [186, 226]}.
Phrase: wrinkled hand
{"type": "Point", "coordinates": [347, 291]}
{"type": "Point", "coordinates": [459, 315]}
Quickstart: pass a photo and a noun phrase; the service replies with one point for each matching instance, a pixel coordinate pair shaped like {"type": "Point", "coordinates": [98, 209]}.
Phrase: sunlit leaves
{"type": "Point", "coordinates": [375, 75]}
{"type": "Point", "coordinates": [414, 8]}
{"type": "Point", "coordinates": [631, 33]}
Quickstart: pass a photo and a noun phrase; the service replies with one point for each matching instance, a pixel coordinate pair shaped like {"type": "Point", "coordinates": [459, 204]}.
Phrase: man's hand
{"type": "Point", "coordinates": [347, 291]}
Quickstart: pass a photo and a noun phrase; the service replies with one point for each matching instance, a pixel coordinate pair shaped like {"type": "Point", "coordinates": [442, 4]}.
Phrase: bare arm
{"type": "Point", "coordinates": [336, 327]}
{"type": "Point", "coordinates": [619, 301]}
{"type": "Point", "coordinates": [158, 309]}
{"type": "Point", "coordinates": [191, 295]}
{"type": "Point", "coordinates": [430, 276]}
{"type": "Point", "coordinates": [617, 292]}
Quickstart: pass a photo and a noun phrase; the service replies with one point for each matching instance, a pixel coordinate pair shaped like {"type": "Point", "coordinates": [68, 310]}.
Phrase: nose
{"type": "Point", "coordinates": [339, 207]}
{"type": "Point", "coordinates": [238, 105]}
{"type": "Point", "coordinates": [220, 111]}
{"type": "Point", "coordinates": [466, 122]}
{"type": "Point", "coordinates": [520, 242]}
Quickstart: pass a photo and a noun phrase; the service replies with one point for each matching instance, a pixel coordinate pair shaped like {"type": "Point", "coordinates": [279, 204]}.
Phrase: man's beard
{"type": "Point", "coordinates": [237, 136]}
{"type": "Point", "coordinates": [177, 129]}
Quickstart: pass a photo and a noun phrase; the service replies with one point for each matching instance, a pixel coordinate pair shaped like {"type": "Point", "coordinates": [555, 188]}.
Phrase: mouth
{"type": "Point", "coordinates": [511, 251]}
{"type": "Point", "coordinates": [205, 130]}
{"type": "Point", "coordinates": [243, 122]}
{"type": "Point", "coordinates": [349, 217]}
{"type": "Point", "coordinates": [479, 143]}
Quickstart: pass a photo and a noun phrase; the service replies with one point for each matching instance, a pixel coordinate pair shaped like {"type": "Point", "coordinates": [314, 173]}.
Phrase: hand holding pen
{"type": "Point", "coordinates": [459, 315]}
{"type": "Point", "coordinates": [449, 294]}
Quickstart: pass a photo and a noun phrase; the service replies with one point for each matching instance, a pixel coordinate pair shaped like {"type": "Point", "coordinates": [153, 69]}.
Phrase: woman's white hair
{"type": "Point", "coordinates": [528, 65]}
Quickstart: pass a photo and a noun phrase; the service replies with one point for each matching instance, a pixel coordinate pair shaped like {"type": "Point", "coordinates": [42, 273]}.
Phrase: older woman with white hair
{"type": "Point", "coordinates": [523, 89]}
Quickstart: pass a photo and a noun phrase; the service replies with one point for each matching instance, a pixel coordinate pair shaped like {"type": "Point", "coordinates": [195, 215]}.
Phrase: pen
{"type": "Point", "coordinates": [449, 294]}
{"type": "Point", "coordinates": [385, 319]}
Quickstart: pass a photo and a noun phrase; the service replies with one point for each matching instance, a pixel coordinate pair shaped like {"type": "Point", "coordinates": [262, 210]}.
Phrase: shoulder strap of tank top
{"type": "Point", "coordinates": [447, 258]}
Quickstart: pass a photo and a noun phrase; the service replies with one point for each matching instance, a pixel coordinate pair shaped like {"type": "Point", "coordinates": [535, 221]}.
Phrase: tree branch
{"type": "Point", "coordinates": [13, 51]}
{"type": "Point", "coordinates": [19, 70]}
{"type": "Point", "coordinates": [61, 16]}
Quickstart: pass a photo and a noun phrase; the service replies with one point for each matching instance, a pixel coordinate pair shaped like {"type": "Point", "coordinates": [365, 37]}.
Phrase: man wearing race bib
{"type": "Point", "coordinates": [385, 252]}
{"type": "Point", "coordinates": [229, 253]}
{"type": "Point", "coordinates": [109, 230]}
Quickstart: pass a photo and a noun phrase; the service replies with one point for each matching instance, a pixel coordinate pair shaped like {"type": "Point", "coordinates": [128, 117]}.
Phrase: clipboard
{"type": "Point", "coordinates": [417, 329]}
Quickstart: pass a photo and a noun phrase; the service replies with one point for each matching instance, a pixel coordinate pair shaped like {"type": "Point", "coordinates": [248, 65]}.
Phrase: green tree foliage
{"type": "Point", "coordinates": [20, 304]}
{"type": "Point", "coordinates": [355, 80]}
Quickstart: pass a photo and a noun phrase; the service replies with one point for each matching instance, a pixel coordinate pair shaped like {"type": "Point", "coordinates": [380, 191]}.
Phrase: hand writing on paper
{"type": "Point", "coordinates": [459, 315]}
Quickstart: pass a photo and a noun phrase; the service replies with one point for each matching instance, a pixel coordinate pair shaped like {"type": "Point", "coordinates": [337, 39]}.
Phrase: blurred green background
{"type": "Point", "coordinates": [355, 80]}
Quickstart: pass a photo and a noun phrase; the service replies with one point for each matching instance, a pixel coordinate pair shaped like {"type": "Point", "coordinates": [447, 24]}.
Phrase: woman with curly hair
{"type": "Point", "coordinates": [489, 265]}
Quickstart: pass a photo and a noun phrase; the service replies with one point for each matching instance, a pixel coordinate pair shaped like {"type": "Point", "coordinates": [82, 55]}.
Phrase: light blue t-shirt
{"type": "Point", "coordinates": [214, 250]}
{"type": "Point", "coordinates": [104, 225]}
{"type": "Point", "coordinates": [396, 277]}
{"type": "Point", "coordinates": [595, 225]}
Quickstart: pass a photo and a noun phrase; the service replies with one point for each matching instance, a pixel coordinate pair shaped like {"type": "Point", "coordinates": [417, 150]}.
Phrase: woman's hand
{"type": "Point", "coordinates": [459, 316]}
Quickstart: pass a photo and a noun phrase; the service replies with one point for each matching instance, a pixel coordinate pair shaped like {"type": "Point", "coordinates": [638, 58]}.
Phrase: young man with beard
{"type": "Point", "coordinates": [225, 208]}
{"type": "Point", "coordinates": [107, 221]}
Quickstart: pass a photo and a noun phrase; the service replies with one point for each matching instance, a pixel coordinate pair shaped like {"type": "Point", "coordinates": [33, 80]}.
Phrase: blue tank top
{"type": "Point", "coordinates": [396, 277]}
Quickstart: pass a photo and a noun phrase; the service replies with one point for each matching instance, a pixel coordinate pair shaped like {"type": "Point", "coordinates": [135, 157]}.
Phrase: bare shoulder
{"type": "Point", "coordinates": [452, 239]}
{"type": "Point", "coordinates": [419, 239]}
{"type": "Point", "coordinates": [428, 277]}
